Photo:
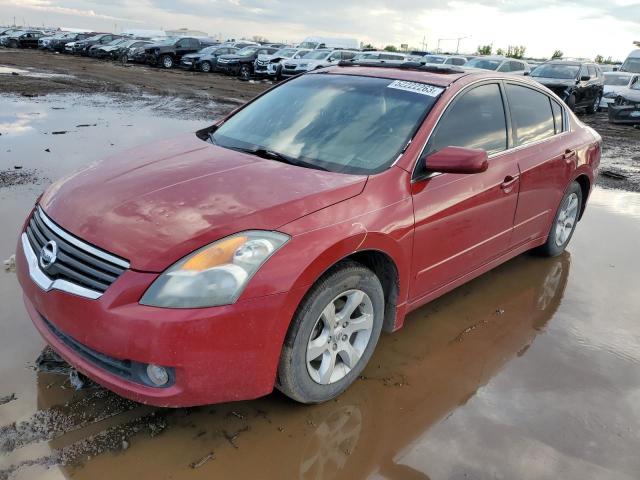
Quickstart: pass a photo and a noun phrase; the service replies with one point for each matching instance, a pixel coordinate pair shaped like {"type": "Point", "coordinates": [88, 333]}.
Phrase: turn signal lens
{"type": "Point", "coordinates": [217, 254]}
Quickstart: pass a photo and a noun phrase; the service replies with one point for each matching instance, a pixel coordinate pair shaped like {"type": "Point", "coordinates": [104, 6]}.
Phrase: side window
{"type": "Point", "coordinates": [505, 67]}
{"type": "Point", "coordinates": [530, 113]}
{"type": "Point", "coordinates": [583, 71]}
{"type": "Point", "coordinates": [558, 118]}
{"type": "Point", "coordinates": [475, 120]}
{"type": "Point", "coordinates": [517, 66]}
{"type": "Point", "coordinates": [334, 56]}
{"type": "Point", "coordinates": [348, 55]}
{"type": "Point", "coordinates": [458, 61]}
{"type": "Point", "coordinates": [592, 71]}
{"type": "Point", "coordinates": [181, 44]}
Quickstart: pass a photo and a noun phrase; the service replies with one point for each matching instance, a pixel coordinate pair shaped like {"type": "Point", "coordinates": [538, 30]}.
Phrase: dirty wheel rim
{"type": "Point", "coordinates": [596, 104]}
{"type": "Point", "coordinates": [566, 219]}
{"type": "Point", "coordinates": [244, 73]}
{"type": "Point", "coordinates": [167, 62]}
{"type": "Point", "coordinates": [205, 67]}
{"type": "Point", "coordinates": [339, 337]}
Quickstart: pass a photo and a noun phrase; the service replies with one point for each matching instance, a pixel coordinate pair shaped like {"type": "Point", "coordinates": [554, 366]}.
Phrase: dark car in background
{"type": "Point", "coordinates": [168, 53]}
{"type": "Point", "coordinates": [123, 51]}
{"type": "Point", "coordinates": [242, 62]}
{"type": "Point", "coordinates": [206, 59]}
{"type": "Point", "coordinates": [82, 47]}
{"type": "Point", "coordinates": [104, 51]}
{"type": "Point", "coordinates": [578, 84]}
{"type": "Point", "coordinates": [24, 39]}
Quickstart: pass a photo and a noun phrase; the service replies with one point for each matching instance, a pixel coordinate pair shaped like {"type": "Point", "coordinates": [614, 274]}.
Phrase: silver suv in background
{"type": "Point", "coordinates": [270, 66]}
{"type": "Point", "coordinates": [457, 60]}
{"type": "Point", "coordinates": [499, 64]}
{"type": "Point", "coordinates": [315, 59]}
{"type": "Point", "coordinates": [380, 57]}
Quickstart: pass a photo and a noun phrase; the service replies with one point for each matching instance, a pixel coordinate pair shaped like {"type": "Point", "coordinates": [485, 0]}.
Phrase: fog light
{"type": "Point", "coordinates": [157, 375]}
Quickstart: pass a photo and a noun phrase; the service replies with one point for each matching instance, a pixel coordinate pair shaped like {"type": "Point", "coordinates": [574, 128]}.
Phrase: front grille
{"type": "Point", "coordinates": [121, 368]}
{"type": "Point", "coordinates": [126, 369]}
{"type": "Point", "coordinates": [77, 261]}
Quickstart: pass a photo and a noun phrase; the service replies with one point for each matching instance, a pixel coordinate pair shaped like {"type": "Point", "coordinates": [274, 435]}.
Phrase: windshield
{"type": "Point", "coordinates": [616, 79]}
{"type": "Point", "coordinates": [286, 52]}
{"type": "Point", "coordinates": [210, 49]}
{"type": "Point", "coordinates": [316, 54]}
{"type": "Point", "coordinates": [167, 41]}
{"type": "Point", "coordinates": [310, 45]}
{"type": "Point", "coordinates": [116, 41]}
{"type": "Point", "coordinates": [635, 86]}
{"type": "Point", "coordinates": [556, 70]}
{"type": "Point", "coordinates": [433, 59]}
{"type": "Point", "coordinates": [483, 63]}
{"type": "Point", "coordinates": [631, 65]}
{"type": "Point", "coordinates": [246, 51]}
{"type": "Point", "coordinates": [341, 123]}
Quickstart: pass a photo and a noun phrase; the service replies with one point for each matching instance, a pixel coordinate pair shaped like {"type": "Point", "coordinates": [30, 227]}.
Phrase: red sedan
{"type": "Point", "coordinates": [272, 248]}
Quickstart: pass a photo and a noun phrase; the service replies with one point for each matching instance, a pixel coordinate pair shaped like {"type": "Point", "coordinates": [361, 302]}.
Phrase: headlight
{"type": "Point", "coordinates": [216, 274]}
{"type": "Point", "coordinates": [303, 65]}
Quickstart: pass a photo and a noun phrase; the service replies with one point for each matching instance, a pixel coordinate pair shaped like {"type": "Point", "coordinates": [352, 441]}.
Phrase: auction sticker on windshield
{"type": "Point", "coordinates": [421, 88]}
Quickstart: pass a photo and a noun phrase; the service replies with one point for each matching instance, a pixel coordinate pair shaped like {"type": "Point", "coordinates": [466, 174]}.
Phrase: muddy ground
{"type": "Point", "coordinates": [531, 371]}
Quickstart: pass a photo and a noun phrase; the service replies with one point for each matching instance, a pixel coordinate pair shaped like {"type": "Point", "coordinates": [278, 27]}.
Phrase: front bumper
{"type": "Point", "coordinates": [624, 114]}
{"type": "Point", "coordinates": [216, 354]}
{"type": "Point", "coordinates": [289, 72]}
{"type": "Point", "coordinates": [228, 68]}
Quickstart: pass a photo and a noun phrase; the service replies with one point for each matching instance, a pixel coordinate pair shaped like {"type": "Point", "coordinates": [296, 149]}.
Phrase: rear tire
{"type": "Point", "coordinates": [205, 67]}
{"type": "Point", "coordinates": [332, 335]}
{"type": "Point", "coordinates": [245, 72]}
{"type": "Point", "coordinates": [564, 223]}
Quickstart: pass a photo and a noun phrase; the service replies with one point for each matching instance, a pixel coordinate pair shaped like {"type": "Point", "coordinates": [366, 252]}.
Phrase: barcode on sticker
{"type": "Point", "coordinates": [421, 88]}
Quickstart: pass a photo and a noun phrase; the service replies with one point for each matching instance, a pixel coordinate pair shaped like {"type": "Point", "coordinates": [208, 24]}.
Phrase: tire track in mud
{"type": "Point", "coordinates": [56, 421]}
{"type": "Point", "coordinates": [115, 438]}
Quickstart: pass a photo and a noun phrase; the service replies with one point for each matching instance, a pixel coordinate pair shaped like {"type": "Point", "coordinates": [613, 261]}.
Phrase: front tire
{"type": "Point", "coordinates": [333, 334]}
{"type": "Point", "coordinates": [245, 72]}
{"type": "Point", "coordinates": [205, 66]}
{"type": "Point", "coordinates": [564, 223]}
{"type": "Point", "coordinates": [571, 102]}
{"type": "Point", "coordinates": [595, 106]}
{"type": "Point", "coordinates": [166, 61]}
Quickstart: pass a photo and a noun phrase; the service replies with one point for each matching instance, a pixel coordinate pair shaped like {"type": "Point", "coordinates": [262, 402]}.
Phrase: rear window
{"type": "Point", "coordinates": [616, 79]}
{"type": "Point", "coordinates": [531, 114]}
{"type": "Point", "coordinates": [341, 123]}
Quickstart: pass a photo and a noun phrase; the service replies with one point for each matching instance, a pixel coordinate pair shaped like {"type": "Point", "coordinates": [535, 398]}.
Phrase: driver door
{"type": "Point", "coordinates": [463, 221]}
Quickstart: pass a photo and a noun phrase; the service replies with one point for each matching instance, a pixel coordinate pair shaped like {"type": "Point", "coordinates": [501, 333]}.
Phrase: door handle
{"type": "Point", "coordinates": [508, 182]}
{"type": "Point", "coordinates": [569, 154]}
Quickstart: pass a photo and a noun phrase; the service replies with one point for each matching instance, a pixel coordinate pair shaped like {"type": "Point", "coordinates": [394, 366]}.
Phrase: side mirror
{"type": "Point", "coordinates": [457, 160]}
{"type": "Point", "coordinates": [585, 78]}
{"type": "Point", "coordinates": [526, 74]}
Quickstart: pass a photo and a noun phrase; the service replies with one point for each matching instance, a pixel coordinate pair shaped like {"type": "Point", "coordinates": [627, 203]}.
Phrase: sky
{"type": "Point", "coordinates": [582, 28]}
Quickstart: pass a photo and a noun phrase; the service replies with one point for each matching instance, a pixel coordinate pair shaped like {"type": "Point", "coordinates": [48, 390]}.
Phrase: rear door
{"type": "Point", "coordinates": [463, 221]}
{"type": "Point", "coordinates": [545, 159]}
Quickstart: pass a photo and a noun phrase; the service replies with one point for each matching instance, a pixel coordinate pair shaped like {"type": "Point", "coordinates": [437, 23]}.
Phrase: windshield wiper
{"type": "Point", "coordinates": [271, 155]}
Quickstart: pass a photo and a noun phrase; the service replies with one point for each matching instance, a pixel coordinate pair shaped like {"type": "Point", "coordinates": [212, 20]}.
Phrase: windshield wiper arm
{"type": "Point", "coordinates": [280, 157]}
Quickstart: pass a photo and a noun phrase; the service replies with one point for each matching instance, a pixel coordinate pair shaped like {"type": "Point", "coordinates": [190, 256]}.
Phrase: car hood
{"type": "Point", "coordinates": [231, 56]}
{"type": "Point", "coordinates": [303, 61]}
{"type": "Point", "coordinates": [555, 82]}
{"type": "Point", "coordinates": [191, 56]}
{"type": "Point", "coordinates": [630, 94]}
{"type": "Point", "coordinates": [153, 205]}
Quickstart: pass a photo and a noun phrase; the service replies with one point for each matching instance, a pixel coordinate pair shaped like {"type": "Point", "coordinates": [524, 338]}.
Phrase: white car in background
{"type": "Point", "coordinates": [315, 59]}
{"type": "Point", "coordinates": [615, 83]}
{"type": "Point", "coordinates": [270, 66]}
{"type": "Point", "coordinates": [457, 60]}
{"type": "Point", "coordinates": [499, 64]}
{"type": "Point", "coordinates": [380, 57]}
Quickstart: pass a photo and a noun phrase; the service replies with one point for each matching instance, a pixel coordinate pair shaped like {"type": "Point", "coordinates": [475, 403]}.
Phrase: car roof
{"type": "Point", "coordinates": [568, 62]}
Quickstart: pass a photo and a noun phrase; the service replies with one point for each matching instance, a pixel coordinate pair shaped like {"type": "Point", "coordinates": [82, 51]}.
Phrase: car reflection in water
{"type": "Point", "coordinates": [446, 352]}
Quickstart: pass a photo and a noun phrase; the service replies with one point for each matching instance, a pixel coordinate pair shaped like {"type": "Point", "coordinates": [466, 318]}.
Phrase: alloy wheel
{"type": "Point", "coordinates": [245, 73]}
{"type": "Point", "coordinates": [566, 219]}
{"type": "Point", "coordinates": [167, 62]}
{"type": "Point", "coordinates": [339, 337]}
{"type": "Point", "coordinates": [205, 67]}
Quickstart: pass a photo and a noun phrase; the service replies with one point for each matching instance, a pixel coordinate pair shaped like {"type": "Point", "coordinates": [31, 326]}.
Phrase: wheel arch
{"type": "Point", "coordinates": [585, 186]}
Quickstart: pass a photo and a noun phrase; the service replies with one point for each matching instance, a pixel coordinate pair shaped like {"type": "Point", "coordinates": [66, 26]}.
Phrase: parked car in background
{"type": "Point", "coordinates": [270, 66]}
{"type": "Point", "coordinates": [616, 83]}
{"type": "Point", "coordinates": [121, 51]}
{"type": "Point", "coordinates": [625, 108]}
{"type": "Point", "coordinates": [206, 59]}
{"type": "Point", "coordinates": [4, 33]}
{"type": "Point", "coordinates": [45, 41]}
{"type": "Point", "coordinates": [103, 51]}
{"type": "Point", "coordinates": [271, 249]}
{"type": "Point", "coordinates": [169, 52]}
{"type": "Point", "coordinates": [607, 67]}
{"type": "Point", "coordinates": [497, 63]}
{"type": "Point", "coordinates": [315, 59]}
{"type": "Point", "coordinates": [241, 63]}
{"type": "Point", "coordinates": [316, 43]}
{"type": "Point", "coordinates": [632, 63]}
{"type": "Point", "coordinates": [240, 44]}
{"type": "Point", "coordinates": [81, 47]}
{"type": "Point", "coordinates": [579, 84]}
{"type": "Point", "coordinates": [444, 60]}
{"type": "Point", "coordinates": [374, 56]}
{"type": "Point", "coordinates": [24, 39]}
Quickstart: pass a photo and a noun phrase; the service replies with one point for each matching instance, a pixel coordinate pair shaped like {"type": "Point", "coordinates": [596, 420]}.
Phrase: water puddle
{"type": "Point", "coordinates": [28, 73]}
